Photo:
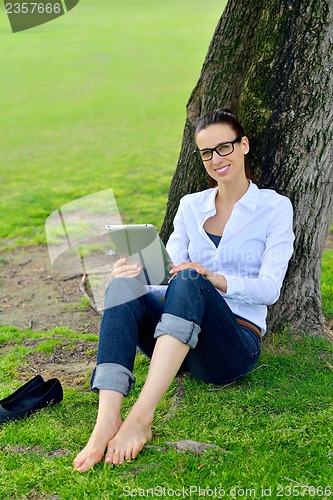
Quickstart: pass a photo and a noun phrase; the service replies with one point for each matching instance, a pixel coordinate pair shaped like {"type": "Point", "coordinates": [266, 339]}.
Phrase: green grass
{"type": "Point", "coordinates": [270, 429]}
{"type": "Point", "coordinates": [93, 100]}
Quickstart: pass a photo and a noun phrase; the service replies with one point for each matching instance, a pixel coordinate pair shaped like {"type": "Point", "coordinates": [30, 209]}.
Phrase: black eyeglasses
{"type": "Point", "coordinates": [222, 149]}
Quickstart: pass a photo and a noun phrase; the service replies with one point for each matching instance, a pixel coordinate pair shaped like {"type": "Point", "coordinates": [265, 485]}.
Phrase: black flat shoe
{"type": "Point", "coordinates": [25, 388]}
{"type": "Point", "coordinates": [45, 394]}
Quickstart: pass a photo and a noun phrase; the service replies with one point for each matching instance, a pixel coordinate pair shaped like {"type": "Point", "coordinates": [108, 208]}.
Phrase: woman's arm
{"type": "Point", "coordinates": [265, 289]}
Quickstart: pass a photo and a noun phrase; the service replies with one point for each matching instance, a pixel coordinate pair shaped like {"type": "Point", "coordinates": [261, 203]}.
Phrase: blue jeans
{"type": "Point", "coordinates": [194, 312]}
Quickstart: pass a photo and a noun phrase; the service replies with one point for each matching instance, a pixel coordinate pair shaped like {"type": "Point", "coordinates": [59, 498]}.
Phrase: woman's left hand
{"type": "Point", "coordinates": [218, 280]}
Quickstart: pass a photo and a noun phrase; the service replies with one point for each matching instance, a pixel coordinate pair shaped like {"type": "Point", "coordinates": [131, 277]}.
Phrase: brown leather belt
{"type": "Point", "coordinates": [243, 322]}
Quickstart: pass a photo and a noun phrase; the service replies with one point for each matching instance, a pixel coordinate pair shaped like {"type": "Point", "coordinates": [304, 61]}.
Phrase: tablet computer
{"type": "Point", "coordinates": [141, 244]}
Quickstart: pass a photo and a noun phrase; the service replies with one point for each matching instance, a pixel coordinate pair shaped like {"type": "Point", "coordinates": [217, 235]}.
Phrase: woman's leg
{"type": "Point", "coordinates": [130, 313]}
{"type": "Point", "coordinates": [168, 356]}
{"type": "Point", "coordinates": [190, 301]}
{"type": "Point", "coordinates": [107, 425]}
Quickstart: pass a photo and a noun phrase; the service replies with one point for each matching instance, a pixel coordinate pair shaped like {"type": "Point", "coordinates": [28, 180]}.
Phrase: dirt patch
{"type": "Point", "coordinates": [71, 362]}
{"type": "Point", "coordinates": [38, 450]}
{"type": "Point", "coordinates": [33, 296]}
{"type": "Point", "coordinates": [187, 445]}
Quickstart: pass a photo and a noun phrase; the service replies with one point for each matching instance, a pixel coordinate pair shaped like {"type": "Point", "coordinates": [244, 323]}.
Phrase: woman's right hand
{"type": "Point", "coordinates": [123, 269]}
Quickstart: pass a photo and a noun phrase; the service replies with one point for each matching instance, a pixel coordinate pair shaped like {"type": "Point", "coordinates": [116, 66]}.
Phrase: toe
{"type": "Point", "coordinates": [89, 461]}
{"type": "Point", "coordinates": [109, 455]}
{"type": "Point", "coordinates": [136, 450]}
{"type": "Point", "coordinates": [116, 457]}
{"type": "Point", "coordinates": [78, 461]}
{"type": "Point", "coordinates": [122, 456]}
{"type": "Point", "coordinates": [85, 466]}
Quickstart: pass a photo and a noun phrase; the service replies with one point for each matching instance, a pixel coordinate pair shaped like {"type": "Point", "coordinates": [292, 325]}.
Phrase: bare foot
{"type": "Point", "coordinates": [130, 439]}
{"type": "Point", "coordinates": [93, 453]}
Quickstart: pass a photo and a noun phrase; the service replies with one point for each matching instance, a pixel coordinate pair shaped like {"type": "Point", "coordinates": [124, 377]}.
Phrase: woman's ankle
{"type": "Point", "coordinates": [142, 413]}
{"type": "Point", "coordinates": [108, 415]}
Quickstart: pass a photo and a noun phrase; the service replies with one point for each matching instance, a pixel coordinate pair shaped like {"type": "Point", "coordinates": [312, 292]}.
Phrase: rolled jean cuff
{"type": "Point", "coordinates": [112, 377]}
{"type": "Point", "coordinates": [182, 329]}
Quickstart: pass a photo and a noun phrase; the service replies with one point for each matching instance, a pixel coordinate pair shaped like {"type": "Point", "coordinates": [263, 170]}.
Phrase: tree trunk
{"type": "Point", "coordinates": [270, 61]}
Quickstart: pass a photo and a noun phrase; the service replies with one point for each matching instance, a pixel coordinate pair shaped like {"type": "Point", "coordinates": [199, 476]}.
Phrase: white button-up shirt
{"type": "Point", "coordinates": [254, 250]}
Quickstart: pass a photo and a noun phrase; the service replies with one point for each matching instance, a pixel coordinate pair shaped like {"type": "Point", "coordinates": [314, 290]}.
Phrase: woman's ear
{"type": "Point", "coordinates": [245, 145]}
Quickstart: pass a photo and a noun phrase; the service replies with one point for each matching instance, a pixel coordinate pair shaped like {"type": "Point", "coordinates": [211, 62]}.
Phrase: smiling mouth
{"type": "Point", "coordinates": [221, 170]}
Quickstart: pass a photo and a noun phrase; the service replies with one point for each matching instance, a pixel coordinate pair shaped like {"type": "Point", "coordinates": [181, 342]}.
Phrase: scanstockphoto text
{"type": "Point", "coordinates": [279, 491]}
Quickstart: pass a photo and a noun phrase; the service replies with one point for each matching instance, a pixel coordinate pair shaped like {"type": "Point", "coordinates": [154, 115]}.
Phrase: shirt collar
{"type": "Point", "coordinates": [208, 203]}
{"type": "Point", "coordinates": [249, 200]}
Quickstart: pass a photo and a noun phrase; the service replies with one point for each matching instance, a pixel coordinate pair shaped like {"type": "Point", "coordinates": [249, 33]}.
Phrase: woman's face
{"type": "Point", "coordinates": [224, 169]}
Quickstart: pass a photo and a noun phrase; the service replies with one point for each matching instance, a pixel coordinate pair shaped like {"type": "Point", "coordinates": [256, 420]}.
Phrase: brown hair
{"type": "Point", "coordinates": [226, 117]}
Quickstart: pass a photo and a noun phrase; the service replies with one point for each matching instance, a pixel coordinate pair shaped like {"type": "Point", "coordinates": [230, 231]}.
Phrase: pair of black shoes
{"type": "Point", "coordinates": [32, 396]}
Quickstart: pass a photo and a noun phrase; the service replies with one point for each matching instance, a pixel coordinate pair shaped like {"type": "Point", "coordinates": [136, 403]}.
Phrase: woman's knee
{"type": "Point", "coordinates": [187, 277]}
{"type": "Point", "coordinates": [185, 294]}
{"type": "Point", "coordinates": [123, 290]}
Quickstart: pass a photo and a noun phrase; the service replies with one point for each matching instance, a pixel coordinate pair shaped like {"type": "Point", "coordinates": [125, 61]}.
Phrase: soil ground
{"type": "Point", "coordinates": [33, 296]}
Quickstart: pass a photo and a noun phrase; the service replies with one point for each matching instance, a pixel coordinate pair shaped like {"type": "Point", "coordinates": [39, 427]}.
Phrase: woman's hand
{"type": "Point", "coordinates": [217, 280]}
{"type": "Point", "coordinates": [122, 269]}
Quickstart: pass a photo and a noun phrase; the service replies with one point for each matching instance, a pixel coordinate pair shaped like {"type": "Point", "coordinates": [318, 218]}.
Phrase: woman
{"type": "Point", "coordinates": [232, 244]}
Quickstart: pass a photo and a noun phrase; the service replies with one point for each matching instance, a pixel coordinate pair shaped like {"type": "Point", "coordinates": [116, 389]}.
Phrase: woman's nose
{"type": "Point", "coordinates": [216, 157]}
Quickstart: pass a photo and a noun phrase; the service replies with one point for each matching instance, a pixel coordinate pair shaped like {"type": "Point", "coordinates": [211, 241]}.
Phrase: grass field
{"type": "Point", "coordinates": [96, 100]}
{"type": "Point", "coordinates": [271, 430]}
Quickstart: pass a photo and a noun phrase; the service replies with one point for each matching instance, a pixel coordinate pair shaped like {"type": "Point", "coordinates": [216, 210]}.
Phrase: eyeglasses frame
{"type": "Point", "coordinates": [197, 150]}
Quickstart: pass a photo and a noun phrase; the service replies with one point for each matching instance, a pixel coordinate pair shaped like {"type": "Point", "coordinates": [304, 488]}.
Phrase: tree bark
{"type": "Point", "coordinates": [271, 62]}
